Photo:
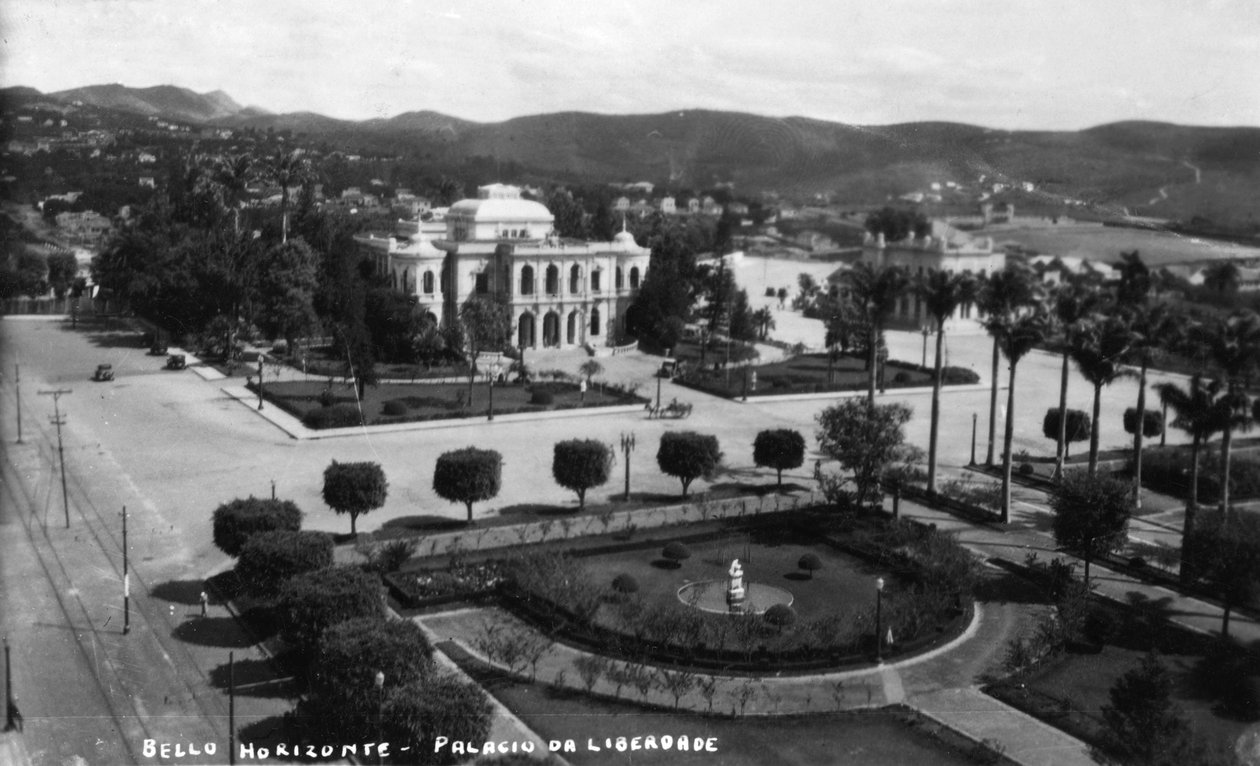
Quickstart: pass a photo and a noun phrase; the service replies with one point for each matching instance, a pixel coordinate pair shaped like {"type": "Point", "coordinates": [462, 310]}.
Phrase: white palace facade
{"type": "Point", "coordinates": [563, 293]}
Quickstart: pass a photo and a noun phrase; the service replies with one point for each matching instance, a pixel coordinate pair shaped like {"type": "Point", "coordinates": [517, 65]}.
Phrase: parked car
{"type": "Point", "coordinates": [158, 348]}
{"type": "Point", "coordinates": [103, 372]}
{"type": "Point", "coordinates": [176, 362]}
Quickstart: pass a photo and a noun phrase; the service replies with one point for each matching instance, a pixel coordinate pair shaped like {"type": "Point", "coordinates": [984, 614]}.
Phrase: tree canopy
{"type": "Point", "coordinates": [687, 456]}
{"type": "Point", "coordinates": [780, 449]}
{"type": "Point", "coordinates": [580, 464]}
{"type": "Point", "coordinates": [354, 488]}
{"type": "Point", "coordinates": [1091, 514]}
{"type": "Point", "coordinates": [467, 476]}
{"type": "Point", "coordinates": [865, 440]}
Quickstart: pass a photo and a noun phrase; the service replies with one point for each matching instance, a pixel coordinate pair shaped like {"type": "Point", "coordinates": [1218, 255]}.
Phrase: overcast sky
{"type": "Point", "coordinates": [1054, 64]}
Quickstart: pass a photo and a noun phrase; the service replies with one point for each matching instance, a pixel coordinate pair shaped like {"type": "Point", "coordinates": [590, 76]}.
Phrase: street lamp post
{"type": "Point", "coordinates": [17, 383]}
{"type": "Point", "coordinates": [380, 705]}
{"type": "Point", "coordinates": [973, 438]}
{"type": "Point", "coordinates": [494, 373]}
{"type": "Point", "coordinates": [260, 382]}
{"type": "Point", "coordinates": [926, 331]}
{"type": "Point", "coordinates": [879, 624]}
{"type": "Point", "coordinates": [126, 577]}
{"type": "Point", "coordinates": [627, 446]}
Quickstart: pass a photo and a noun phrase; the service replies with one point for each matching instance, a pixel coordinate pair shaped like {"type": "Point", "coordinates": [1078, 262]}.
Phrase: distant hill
{"type": "Point", "coordinates": [165, 101]}
{"type": "Point", "coordinates": [1144, 168]}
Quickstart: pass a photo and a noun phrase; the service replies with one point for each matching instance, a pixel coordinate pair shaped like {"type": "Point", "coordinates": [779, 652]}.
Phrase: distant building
{"type": "Point", "coordinates": [943, 248]}
{"type": "Point", "coordinates": [666, 205]}
{"type": "Point", "coordinates": [562, 293]}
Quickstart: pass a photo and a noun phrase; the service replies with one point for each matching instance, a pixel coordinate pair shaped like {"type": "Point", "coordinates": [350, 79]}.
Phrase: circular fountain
{"type": "Point", "coordinates": [731, 596]}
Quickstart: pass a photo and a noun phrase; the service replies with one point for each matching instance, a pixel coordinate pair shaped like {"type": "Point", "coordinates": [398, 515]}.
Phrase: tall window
{"type": "Point", "coordinates": [575, 279]}
{"type": "Point", "coordinates": [527, 280]}
{"type": "Point", "coordinates": [595, 280]}
{"type": "Point", "coordinates": [483, 283]}
{"type": "Point", "coordinates": [428, 282]}
{"type": "Point", "coordinates": [634, 278]}
{"type": "Point", "coordinates": [619, 279]}
{"type": "Point", "coordinates": [594, 321]}
{"type": "Point", "coordinates": [553, 280]}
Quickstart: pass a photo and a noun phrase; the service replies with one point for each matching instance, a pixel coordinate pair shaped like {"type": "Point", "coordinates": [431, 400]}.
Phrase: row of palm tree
{"type": "Point", "coordinates": [1107, 331]}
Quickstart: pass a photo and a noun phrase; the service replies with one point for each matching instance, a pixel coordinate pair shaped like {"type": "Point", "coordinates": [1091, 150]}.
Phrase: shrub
{"type": "Point", "coordinates": [468, 475]}
{"type": "Point", "coordinates": [810, 563]}
{"type": "Point", "coordinates": [312, 602]}
{"type": "Point", "coordinates": [391, 556]}
{"type": "Point", "coordinates": [780, 616]}
{"type": "Point", "coordinates": [770, 292]}
{"type": "Point", "coordinates": [342, 697]}
{"type": "Point", "coordinates": [335, 416]}
{"type": "Point", "coordinates": [779, 448]}
{"type": "Point", "coordinates": [688, 455]}
{"type": "Point", "coordinates": [354, 488]}
{"type": "Point", "coordinates": [268, 559]}
{"type": "Point", "coordinates": [1026, 469]}
{"type": "Point", "coordinates": [580, 464]}
{"type": "Point", "coordinates": [901, 377]}
{"type": "Point", "coordinates": [327, 398]}
{"type": "Point", "coordinates": [676, 551]}
{"type": "Point", "coordinates": [441, 704]}
{"type": "Point", "coordinates": [1152, 422]}
{"type": "Point", "coordinates": [236, 521]}
{"type": "Point", "coordinates": [541, 396]}
{"type": "Point", "coordinates": [625, 584]}
{"type": "Point", "coordinates": [394, 408]}
{"type": "Point", "coordinates": [958, 376]}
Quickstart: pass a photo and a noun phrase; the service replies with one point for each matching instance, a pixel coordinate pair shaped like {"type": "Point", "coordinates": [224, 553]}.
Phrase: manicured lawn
{"type": "Point", "coordinates": [432, 401]}
{"type": "Point", "coordinates": [889, 737]}
{"type": "Point", "coordinates": [844, 585]}
{"type": "Point", "coordinates": [807, 373]}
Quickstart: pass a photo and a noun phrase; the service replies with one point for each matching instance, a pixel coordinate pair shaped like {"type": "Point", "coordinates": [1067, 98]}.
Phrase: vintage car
{"type": "Point", "coordinates": [158, 348]}
{"type": "Point", "coordinates": [176, 362]}
{"type": "Point", "coordinates": [103, 372]}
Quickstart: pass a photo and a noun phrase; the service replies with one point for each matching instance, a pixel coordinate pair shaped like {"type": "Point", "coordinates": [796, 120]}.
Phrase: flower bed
{"type": "Point", "coordinates": [813, 373]}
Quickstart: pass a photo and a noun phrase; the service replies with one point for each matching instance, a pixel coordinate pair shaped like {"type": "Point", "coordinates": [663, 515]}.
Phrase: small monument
{"type": "Point", "coordinates": [735, 588]}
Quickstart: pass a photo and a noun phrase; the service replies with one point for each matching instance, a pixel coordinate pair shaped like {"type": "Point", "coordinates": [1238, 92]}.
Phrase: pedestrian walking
{"type": "Point", "coordinates": [582, 389]}
{"type": "Point", "coordinates": [817, 470]}
{"type": "Point", "coordinates": [205, 602]}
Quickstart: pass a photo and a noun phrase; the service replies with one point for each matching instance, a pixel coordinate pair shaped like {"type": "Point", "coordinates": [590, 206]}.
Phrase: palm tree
{"type": "Point", "coordinates": [942, 293]}
{"type": "Point", "coordinates": [1016, 335]}
{"type": "Point", "coordinates": [232, 173]}
{"type": "Point", "coordinates": [1233, 345]}
{"type": "Point", "coordinates": [286, 169]}
{"type": "Point", "coordinates": [1099, 351]}
{"type": "Point", "coordinates": [1074, 304]}
{"type": "Point", "coordinates": [1151, 327]}
{"type": "Point", "coordinates": [875, 290]}
{"type": "Point", "coordinates": [1003, 296]}
{"type": "Point", "coordinates": [763, 320]}
{"type": "Point", "coordinates": [1199, 412]}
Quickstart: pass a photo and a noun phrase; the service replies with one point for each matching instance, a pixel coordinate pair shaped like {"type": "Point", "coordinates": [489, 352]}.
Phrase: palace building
{"type": "Point", "coordinates": [562, 292]}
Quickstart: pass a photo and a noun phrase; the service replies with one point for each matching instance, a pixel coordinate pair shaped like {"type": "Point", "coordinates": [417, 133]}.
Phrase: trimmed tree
{"type": "Point", "coordinates": [237, 521]}
{"type": "Point", "coordinates": [1226, 555]}
{"type": "Point", "coordinates": [580, 464]}
{"type": "Point", "coordinates": [864, 439]}
{"type": "Point", "coordinates": [625, 584]}
{"type": "Point", "coordinates": [268, 559]}
{"type": "Point", "coordinates": [687, 456]}
{"type": "Point", "coordinates": [312, 602]}
{"type": "Point", "coordinates": [780, 449]}
{"type": "Point", "coordinates": [354, 488]}
{"type": "Point", "coordinates": [467, 476]}
{"type": "Point", "coordinates": [676, 552]}
{"type": "Point", "coordinates": [780, 616]}
{"type": "Point", "coordinates": [1152, 422]}
{"type": "Point", "coordinates": [1075, 430]}
{"type": "Point", "coordinates": [810, 563]}
{"type": "Point", "coordinates": [415, 714]}
{"type": "Point", "coordinates": [342, 698]}
{"type": "Point", "coordinates": [1091, 515]}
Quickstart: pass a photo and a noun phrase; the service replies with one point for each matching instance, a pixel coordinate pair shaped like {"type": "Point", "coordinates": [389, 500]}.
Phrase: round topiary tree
{"type": "Point", "coordinates": [268, 559]}
{"type": "Point", "coordinates": [354, 488]}
{"type": "Point", "coordinates": [810, 563]}
{"type": "Point", "coordinates": [1152, 422]}
{"type": "Point", "coordinates": [688, 455]}
{"type": "Point", "coordinates": [236, 521]}
{"type": "Point", "coordinates": [780, 616]}
{"type": "Point", "coordinates": [468, 475]}
{"type": "Point", "coordinates": [676, 552]}
{"type": "Point", "coordinates": [312, 602]}
{"type": "Point", "coordinates": [1078, 427]}
{"type": "Point", "coordinates": [625, 584]}
{"type": "Point", "coordinates": [342, 697]}
{"type": "Point", "coordinates": [780, 449]}
{"type": "Point", "coordinates": [580, 464]}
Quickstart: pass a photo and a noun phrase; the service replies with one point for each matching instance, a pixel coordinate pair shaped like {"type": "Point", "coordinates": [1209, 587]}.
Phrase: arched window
{"type": "Point", "coordinates": [553, 280]}
{"type": "Point", "coordinates": [575, 279]}
{"type": "Point", "coordinates": [595, 280]}
{"type": "Point", "coordinates": [527, 280]}
{"type": "Point", "coordinates": [594, 321]}
{"type": "Point", "coordinates": [428, 282]}
{"type": "Point", "coordinates": [619, 280]}
{"type": "Point", "coordinates": [634, 278]}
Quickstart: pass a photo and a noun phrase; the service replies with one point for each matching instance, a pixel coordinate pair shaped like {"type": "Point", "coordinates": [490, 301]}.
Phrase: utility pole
{"type": "Point", "coordinates": [17, 382]}
{"type": "Point", "coordinates": [231, 709]}
{"type": "Point", "coordinates": [126, 580]}
{"type": "Point", "coordinates": [59, 421]}
{"type": "Point", "coordinates": [8, 689]}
